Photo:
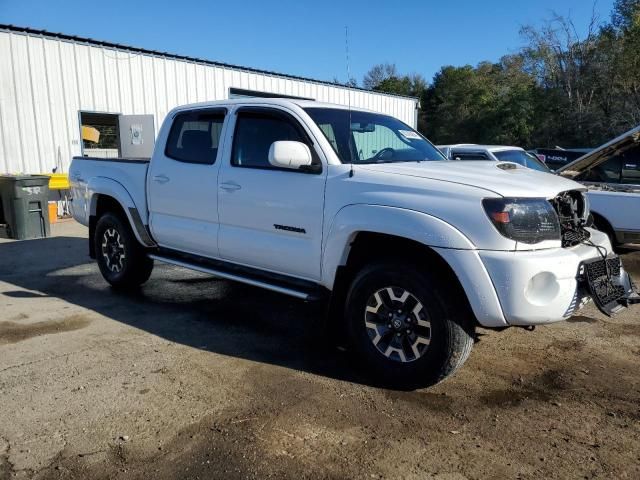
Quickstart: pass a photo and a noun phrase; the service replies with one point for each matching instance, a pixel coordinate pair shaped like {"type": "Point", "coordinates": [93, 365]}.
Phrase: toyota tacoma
{"type": "Point", "coordinates": [411, 251]}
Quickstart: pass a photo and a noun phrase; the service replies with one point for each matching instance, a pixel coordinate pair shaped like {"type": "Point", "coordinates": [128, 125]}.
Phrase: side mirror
{"type": "Point", "coordinates": [288, 154]}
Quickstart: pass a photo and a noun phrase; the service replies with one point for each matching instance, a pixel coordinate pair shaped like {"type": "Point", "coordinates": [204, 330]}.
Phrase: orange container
{"type": "Point", "coordinates": [53, 212]}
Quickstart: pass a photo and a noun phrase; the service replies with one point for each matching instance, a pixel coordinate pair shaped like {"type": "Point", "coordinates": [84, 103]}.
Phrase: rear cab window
{"type": "Point", "coordinates": [195, 136]}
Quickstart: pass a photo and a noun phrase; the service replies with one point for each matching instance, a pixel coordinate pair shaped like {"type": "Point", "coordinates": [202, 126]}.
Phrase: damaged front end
{"type": "Point", "coordinates": [603, 278]}
{"type": "Point", "coordinates": [608, 284]}
{"type": "Point", "coordinates": [572, 208]}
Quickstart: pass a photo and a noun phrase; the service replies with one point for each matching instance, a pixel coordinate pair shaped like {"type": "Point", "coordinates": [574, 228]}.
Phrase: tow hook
{"type": "Point", "coordinates": [529, 328]}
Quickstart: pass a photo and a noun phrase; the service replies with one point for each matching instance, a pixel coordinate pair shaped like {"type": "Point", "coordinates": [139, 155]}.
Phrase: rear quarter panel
{"type": "Point", "coordinates": [125, 180]}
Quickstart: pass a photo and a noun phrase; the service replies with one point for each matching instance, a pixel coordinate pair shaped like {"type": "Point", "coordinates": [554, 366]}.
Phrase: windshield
{"type": "Point", "coordinates": [523, 158]}
{"type": "Point", "coordinates": [371, 137]}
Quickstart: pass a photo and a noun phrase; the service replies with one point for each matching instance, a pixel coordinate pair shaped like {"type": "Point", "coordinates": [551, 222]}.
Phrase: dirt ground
{"type": "Point", "coordinates": [195, 377]}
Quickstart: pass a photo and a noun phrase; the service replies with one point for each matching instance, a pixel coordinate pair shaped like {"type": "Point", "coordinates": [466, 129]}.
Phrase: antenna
{"type": "Point", "coordinates": [346, 48]}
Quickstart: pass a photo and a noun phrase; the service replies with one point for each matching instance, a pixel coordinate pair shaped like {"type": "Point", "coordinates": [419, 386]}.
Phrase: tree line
{"type": "Point", "coordinates": [561, 89]}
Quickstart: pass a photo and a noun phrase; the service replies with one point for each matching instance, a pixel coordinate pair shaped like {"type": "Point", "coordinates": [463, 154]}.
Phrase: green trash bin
{"type": "Point", "coordinates": [24, 211]}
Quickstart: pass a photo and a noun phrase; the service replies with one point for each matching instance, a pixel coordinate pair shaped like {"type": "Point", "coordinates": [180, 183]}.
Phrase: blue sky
{"type": "Point", "coordinates": [307, 38]}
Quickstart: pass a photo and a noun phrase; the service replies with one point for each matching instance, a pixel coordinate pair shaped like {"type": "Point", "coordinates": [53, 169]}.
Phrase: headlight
{"type": "Point", "coordinates": [526, 220]}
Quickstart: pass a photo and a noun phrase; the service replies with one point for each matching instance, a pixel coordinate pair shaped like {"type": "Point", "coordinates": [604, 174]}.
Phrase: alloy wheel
{"type": "Point", "coordinates": [397, 324]}
{"type": "Point", "coordinates": [113, 250]}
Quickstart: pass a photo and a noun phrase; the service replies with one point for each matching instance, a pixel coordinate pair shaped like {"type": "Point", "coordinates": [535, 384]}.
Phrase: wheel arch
{"type": "Point", "coordinates": [359, 220]}
{"type": "Point", "coordinates": [101, 204]}
{"type": "Point", "coordinates": [367, 246]}
{"type": "Point", "coordinates": [607, 227]}
{"type": "Point", "coordinates": [110, 196]}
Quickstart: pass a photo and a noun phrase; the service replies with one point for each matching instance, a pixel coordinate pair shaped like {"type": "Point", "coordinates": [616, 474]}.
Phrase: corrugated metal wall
{"type": "Point", "coordinates": [45, 81]}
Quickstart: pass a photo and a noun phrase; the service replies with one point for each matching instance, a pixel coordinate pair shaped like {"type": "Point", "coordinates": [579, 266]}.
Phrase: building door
{"type": "Point", "coordinates": [99, 134]}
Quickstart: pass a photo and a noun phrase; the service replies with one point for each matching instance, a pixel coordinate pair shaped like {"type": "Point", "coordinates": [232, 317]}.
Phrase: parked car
{"type": "Point", "coordinates": [498, 153]}
{"type": "Point", "coordinates": [611, 173]}
{"type": "Point", "coordinates": [555, 158]}
{"type": "Point", "coordinates": [317, 201]}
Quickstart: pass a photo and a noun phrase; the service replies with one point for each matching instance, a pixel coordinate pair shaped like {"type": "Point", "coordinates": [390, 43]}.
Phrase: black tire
{"type": "Point", "coordinates": [451, 330]}
{"type": "Point", "coordinates": [130, 266]}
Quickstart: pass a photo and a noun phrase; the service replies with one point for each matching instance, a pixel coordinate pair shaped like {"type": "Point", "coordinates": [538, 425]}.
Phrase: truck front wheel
{"type": "Point", "coordinates": [406, 325]}
{"type": "Point", "coordinates": [122, 260]}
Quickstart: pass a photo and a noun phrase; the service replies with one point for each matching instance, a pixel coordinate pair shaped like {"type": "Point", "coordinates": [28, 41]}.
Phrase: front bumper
{"type": "Point", "coordinates": [538, 287]}
{"type": "Point", "coordinates": [609, 286]}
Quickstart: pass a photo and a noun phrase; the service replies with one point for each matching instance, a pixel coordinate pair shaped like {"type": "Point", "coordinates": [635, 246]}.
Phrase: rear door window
{"type": "Point", "coordinates": [195, 136]}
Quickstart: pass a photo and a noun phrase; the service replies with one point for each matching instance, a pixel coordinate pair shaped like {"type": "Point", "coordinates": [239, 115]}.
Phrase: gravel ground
{"type": "Point", "coordinates": [194, 377]}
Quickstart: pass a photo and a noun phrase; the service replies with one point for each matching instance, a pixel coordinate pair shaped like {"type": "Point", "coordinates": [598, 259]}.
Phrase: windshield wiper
{"type": "Point", "coordinates": [418, 160]}
{"type": "Point", "coordinates": [369, 162]}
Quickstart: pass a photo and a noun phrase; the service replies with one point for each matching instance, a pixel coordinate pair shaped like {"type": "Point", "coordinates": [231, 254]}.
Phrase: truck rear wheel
{"type": "Point", "coordinates": [407, 326]}
{"type": "Point", "coordinates": [122, 260]}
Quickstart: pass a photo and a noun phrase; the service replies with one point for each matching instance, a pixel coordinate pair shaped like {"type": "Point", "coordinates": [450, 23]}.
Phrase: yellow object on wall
{"type": "Point", "coordinates": [58, 181]}
{"type": "Point", "coordinates": [91, 134]}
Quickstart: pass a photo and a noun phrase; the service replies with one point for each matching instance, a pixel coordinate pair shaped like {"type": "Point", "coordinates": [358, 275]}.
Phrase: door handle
{"type": "Point", "coordinates": [161, 179]}
{"type": "Point", "coordinates": [230, 186]}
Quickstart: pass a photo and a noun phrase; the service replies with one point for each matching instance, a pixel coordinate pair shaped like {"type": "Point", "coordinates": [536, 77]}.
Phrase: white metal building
{"type": "Point", "coordinates": [48, 80]}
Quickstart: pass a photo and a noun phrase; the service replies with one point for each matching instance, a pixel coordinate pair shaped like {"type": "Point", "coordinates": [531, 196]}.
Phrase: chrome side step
{"type": "Point", "coordinates": [304, 295]}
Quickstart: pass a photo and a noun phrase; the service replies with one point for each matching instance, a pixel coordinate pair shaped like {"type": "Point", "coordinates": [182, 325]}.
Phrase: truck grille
{"type": "Point", "coordinates": [599, 269]}
{"type": "Point", "coordinates": [572, 211]}
{"type": "Point", "coordinates": [599, 276]}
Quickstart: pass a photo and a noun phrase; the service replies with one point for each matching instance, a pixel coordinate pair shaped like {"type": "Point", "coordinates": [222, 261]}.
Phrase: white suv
{"type": "Point", "coordinates": [498, 153]}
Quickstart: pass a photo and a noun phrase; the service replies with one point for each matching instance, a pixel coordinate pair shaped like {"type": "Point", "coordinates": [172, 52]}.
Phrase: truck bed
{"type": "Point", "coordinates": [131, 173]}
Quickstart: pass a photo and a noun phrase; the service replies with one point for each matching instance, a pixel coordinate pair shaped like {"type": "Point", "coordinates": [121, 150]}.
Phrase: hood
{"type": "Point", "coordinates": [601, 154]}
{"type": "Point", "coordinates": [501, 178]}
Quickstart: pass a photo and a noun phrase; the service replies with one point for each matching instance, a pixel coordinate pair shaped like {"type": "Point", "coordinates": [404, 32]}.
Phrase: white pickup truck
{"type": "Point", "coordinates": [317, 201]}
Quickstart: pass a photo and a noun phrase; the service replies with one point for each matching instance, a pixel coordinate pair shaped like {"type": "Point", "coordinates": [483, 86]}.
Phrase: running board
{"type": "Point", "coordinates": [311, 292]}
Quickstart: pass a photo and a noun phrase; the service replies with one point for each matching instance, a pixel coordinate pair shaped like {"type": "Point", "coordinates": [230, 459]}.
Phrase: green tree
{"type": "Point", "coordinates": [385, 78]}
{"type": "Point", "coordinates": [379, 73]}
{"type": "Point", "coordinates": [562, 88]}
{"type": "Point", "coordinates": [564, 66]}
{"type": "Point", "coordinates": [491, 103]}
{"type": "Point", "coordinates": [624, 34]}
{"type": "Point", "coordinates": [625, 15]}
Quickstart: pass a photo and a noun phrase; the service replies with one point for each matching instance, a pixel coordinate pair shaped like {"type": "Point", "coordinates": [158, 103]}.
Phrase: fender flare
{"type": "Point", "coordinates": [352, 219]}
{"type": "Point", "coordinates": [457, 250]}
{"type": "Point", "coordinates": [109, 187]}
